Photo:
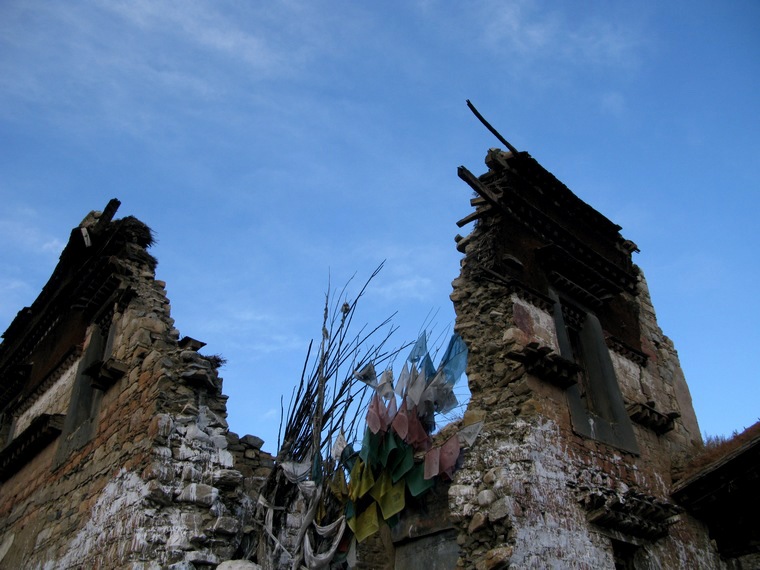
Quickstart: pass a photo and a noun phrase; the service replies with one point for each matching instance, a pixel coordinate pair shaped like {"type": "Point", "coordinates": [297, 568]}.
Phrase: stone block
{"type": "Point", "coordinates": [226, 525]}
{"type": "Point", "coordinates": [193, 432]}
{"type": "Point", "coordinates": [227, 478]}
{"type": "Point", "coordinates": [185, 453]}
{"type": "Point", "coordinates": [202, 557]}
{"type": "Point", "coordinates": [190, 473]}
{"type": "Point", "coordinates": [238, 565]}
{"type": "Point", "coordinates": [252, 441]}
{"type": "Point", "coordinates": [152, 324]}
{"type": "Point", "coordinates": [477, 522]}
{"type": "Point", "coordinates": [214, 420]}
{"type": "Point", "coordinates": [160, 428]}
{"type": "Point", "coordinates": [462, 491]}
{"type": "Point", "coordinates": [184, 565]}
{"type": "Point", "coordinates": [197, 377]}
{"type": "Point", "coordinates": [158, 470]}
{"type": "Point", "coordinates": [486, 497]}
{"type": "Point", "coordinates": [158, 493]}
{"type": "Point", "coordinates": [223, 458]}
{"type": "Point", "coordinates": [199, 494]}
{"type": "Point", "coordinates": [189, 356]}
{"type": "Point", "coordinates": [219, 441]}
{"type": "Point", "coordinates": [193, 524]}
{"type": "Point", "coordinates": [503, 507]}
{"type": "Point", "coordinates": [498, 558]}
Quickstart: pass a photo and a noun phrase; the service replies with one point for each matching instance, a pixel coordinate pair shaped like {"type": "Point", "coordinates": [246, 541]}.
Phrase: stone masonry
{"type": "Point", "coordinates": [566, 473]}
{"type": "Point", "coordinates": [117, 452]}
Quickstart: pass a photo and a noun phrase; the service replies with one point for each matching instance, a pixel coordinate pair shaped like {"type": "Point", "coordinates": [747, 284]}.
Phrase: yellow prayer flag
{"type": "Point", "coordinates": [394, 500]}
{"type": "Point", "coordinates": [367, 523]}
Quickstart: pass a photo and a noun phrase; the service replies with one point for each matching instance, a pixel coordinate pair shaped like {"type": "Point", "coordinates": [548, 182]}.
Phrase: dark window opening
{"type": "Point", "coordinates": [596, 405]}
{"type": "Point", "coordinates": [81, 419]}
{"type": "Point", "coordinates": [624, 555]}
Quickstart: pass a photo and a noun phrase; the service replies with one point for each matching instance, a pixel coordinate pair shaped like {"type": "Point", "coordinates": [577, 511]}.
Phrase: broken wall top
{"type": "Point", "coordinates": [546, 238]}
{"type": "Point", "coordinates": [90, 276]}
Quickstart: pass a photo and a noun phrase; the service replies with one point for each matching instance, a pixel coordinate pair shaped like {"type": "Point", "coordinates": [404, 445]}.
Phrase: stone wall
{"type": "Point", "coordinates": [149, 475]}
{"type": "Point", "coordinates": [533, 492]}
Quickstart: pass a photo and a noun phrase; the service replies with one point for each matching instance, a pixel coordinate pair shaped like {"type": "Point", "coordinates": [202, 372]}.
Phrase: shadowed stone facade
{"type": "Point", "coordinates": [587, 413]}
{"type": "Point", "coordinates": [116, 451]}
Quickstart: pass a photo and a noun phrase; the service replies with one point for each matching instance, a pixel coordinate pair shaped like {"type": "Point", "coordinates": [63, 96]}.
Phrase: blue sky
{"type": "Point", "coordinates": [274, 145]}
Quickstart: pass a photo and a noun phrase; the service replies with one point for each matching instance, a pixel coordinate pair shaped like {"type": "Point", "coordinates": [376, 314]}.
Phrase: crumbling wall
{"type": "Point", "coordinates": [533, 492]}
{"type": "Point", "coordinates": [157, 479]}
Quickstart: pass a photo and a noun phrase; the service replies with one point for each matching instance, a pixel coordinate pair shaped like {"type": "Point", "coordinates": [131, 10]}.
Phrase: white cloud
{"type": "Point", "coordinates": [147, 68]}
{"type": "Point", "coordinates": [526, 31]}
{"type": "Point", "coordinates": [203, 25]}
{"type": "Point", "coordinates": [412, 287]}
{"type": "Point", "coordinates": [22, 235]}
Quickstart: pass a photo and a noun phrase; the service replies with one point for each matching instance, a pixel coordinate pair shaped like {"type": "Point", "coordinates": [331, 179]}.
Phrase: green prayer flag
{"type": "Point", "coordinates": [370, 447]}
{"type": "Point", "coordinates": [403, 462]}
{"type": "Point", "coordinates": [388, 446]}
{"type": "Point", "coordinates": [416, 481]}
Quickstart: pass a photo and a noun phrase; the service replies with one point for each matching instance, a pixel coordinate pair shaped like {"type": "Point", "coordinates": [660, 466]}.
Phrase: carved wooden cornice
{"type": "Point", "coordinates": [43, 430]}
{"type": "Point", "coordinates": [633, 513]}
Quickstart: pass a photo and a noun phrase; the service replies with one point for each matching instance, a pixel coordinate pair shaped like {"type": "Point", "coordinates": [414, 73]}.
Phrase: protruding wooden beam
{"type": "Point", "coordinates": [477, 185]}
{"type": "Point", "coordinates": [487, 125]}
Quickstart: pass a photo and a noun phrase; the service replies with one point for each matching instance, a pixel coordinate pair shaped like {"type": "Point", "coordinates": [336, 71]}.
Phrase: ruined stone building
{"type": "Point", "coordinates": [116, 452]}
{"type": "Point", "coordinates": [589, 421]}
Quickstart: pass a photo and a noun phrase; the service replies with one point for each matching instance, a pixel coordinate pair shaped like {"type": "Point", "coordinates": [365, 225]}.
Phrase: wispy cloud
{"type": "Point", "coordinates": [204, 26]}
{"type": "Point", "coordinates": [413, 287]}
{"type": "Point", "coordinates": [532, 31]}
{"type": "Point", "coordinates": [20, 235]}
{"type": "Point", "coordinates": [140, 67]}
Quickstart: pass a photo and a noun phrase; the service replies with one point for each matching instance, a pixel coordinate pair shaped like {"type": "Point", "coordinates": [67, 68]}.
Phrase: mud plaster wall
{"type": "Point", "coordinates": [161, 483]}
{"type": "Point", "coordinates": [518, 498]}
{"type": "Point", "coordinates": [53, 401]}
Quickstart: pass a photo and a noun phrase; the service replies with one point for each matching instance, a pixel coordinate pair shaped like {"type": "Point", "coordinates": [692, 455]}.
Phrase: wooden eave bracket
{"type": "Point", "coordinates": [633, 513]}
{"type": "Point", "coordinates": [648, 417]}
{"type": "Point", "coordinates": [544, 363]}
